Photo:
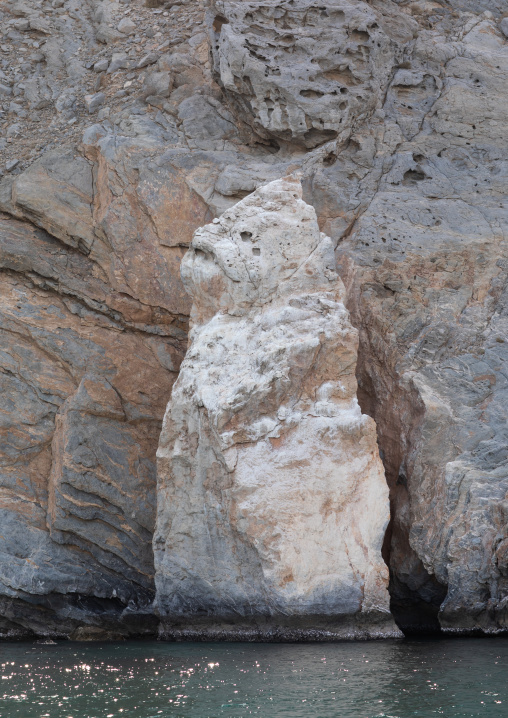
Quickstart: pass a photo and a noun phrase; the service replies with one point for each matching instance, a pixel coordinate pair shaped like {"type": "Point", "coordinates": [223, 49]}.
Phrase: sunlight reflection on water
{"type": "Point", "coordinates": [388, 679]}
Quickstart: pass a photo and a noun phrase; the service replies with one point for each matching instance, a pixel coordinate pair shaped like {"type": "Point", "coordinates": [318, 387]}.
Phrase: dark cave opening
{"type": "Point", "coordinates": [415, 594]}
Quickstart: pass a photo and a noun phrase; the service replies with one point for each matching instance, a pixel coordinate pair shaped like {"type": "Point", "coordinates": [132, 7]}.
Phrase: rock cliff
{"type": "Point", "coordinates": [272, 501]}
{"type": "Point", "coordinates": [124, 127]}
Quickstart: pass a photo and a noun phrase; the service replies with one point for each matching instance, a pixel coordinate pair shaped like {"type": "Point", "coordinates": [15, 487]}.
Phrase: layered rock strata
{"type": "Point", "coordinates": [272, 501]}
{"type": "Point", "coordinates": [78, 439]}
{"type": "Point", "coordinates": [395, 113]}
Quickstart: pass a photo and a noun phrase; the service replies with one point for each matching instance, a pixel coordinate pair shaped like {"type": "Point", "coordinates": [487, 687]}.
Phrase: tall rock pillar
{"type": "Point", "coordinates": [272, 501]}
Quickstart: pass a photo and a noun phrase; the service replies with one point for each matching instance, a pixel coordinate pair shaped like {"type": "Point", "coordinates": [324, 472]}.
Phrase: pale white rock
{"type": "Point", "coordinates": [272, 501]}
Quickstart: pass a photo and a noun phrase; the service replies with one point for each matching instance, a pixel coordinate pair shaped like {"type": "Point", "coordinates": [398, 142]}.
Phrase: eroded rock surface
{"type": "Point", "coordinates": [429, 293]}
{"type": "Point", "coordinates": [272, 502]}
{"type": "Point", "coordinates": [78, 438]}
{"type": "Point", "coordinates": [124, 126]}
{"type": "Point", "coordinates": [303, 72]}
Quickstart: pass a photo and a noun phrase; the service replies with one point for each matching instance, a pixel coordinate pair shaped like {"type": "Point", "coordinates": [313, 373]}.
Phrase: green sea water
{"type": "Point", "coordinates": [378, 679]}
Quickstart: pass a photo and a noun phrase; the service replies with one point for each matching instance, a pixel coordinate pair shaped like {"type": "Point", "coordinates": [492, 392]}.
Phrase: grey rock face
{"type": "Point", "coordinates": [147, 60]}
{"type": "Point", "coordinates": [94, 102]}
{"type": "Point", "coordinates": [427, 286]}
{"type": "Point", "coordinates": [126, 26]}
{"type": "Point", "coordinates": [11, 164]}
{"type": "Point", "coordinates": [119, 61]}
{"type": "Point", "coordinates": [157, 83]}
{"type": "Point", "coordinates": [305, 73]}
{"type": "Point", "coordinates": [408, 178]}
{"type": "Point", "coordinates": [38, 94]}
{"type": "Point", "coordinates": [101, 65]}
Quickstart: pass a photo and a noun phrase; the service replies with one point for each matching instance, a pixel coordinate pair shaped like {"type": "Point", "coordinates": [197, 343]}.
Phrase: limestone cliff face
{"type": "Point", "coordinates": [77, 503]}
{"type": "Point", "coordinates": [425, 268]}
{"type": "Point", "coordinates": [272, 502]}
{"type": "Point", "coordinates": [123, 128]}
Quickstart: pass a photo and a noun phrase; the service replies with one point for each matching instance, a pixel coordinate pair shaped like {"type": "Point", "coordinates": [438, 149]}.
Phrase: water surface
{"type": "Point", "coordinates": [385, 679]}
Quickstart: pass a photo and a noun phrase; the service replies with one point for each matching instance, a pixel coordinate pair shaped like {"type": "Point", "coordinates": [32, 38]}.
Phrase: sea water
{"type": "Point", "coordinates": [376, 679]}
